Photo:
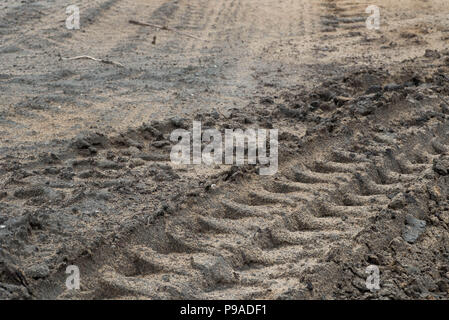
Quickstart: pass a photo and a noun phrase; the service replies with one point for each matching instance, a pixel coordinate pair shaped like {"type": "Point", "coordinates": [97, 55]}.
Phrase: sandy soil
{"type": "Point", "coordinates": [363, 172]}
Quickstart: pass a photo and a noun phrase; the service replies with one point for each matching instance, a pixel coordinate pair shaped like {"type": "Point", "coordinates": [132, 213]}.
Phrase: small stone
{"type": "Point", "coordinates": [413, 229]}
{"type": "Point", "coordinates": [38, 271]}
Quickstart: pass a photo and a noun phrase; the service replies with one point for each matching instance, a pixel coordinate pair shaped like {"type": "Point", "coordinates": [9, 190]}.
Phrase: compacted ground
{"type": "Point", "coordinates": [86, 177]}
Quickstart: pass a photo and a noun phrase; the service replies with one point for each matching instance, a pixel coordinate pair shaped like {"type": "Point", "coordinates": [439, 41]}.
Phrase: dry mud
{"type": "Point", "coordinates": [363, 175]}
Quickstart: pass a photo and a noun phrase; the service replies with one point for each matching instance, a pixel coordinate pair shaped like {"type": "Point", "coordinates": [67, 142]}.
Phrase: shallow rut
{"type": "Point", "coordinates": [264, 237]}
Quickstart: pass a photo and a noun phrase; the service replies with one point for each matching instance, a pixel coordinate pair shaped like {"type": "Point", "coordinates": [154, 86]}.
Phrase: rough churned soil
{"type": "Point", "coordinates": [86, 177]}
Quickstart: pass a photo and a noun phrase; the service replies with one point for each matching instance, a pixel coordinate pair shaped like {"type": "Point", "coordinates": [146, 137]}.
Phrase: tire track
{"type": "Point", "coordinates": [343, 15]}
{"type": "Point", "coordinates": [263, 237]}
{"type": "Point", "coordinates": [252, 246]}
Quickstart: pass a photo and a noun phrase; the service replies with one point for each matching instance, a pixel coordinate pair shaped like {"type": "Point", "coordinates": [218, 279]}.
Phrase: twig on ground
{"type": "Point", "coordinates": [164, 28]}
{"type": "Point", "coordinates": [96, 59]}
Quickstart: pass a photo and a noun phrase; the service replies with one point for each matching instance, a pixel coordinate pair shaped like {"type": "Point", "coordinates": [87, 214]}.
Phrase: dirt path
{"type": "Point", "coordinates": [251, 44]}
{"type": "Point", "coordinates": [86, 178]}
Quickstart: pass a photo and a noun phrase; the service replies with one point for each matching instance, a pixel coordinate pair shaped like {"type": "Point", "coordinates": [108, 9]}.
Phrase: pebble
{"type": "Point", "coordinates": [413, 229]}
